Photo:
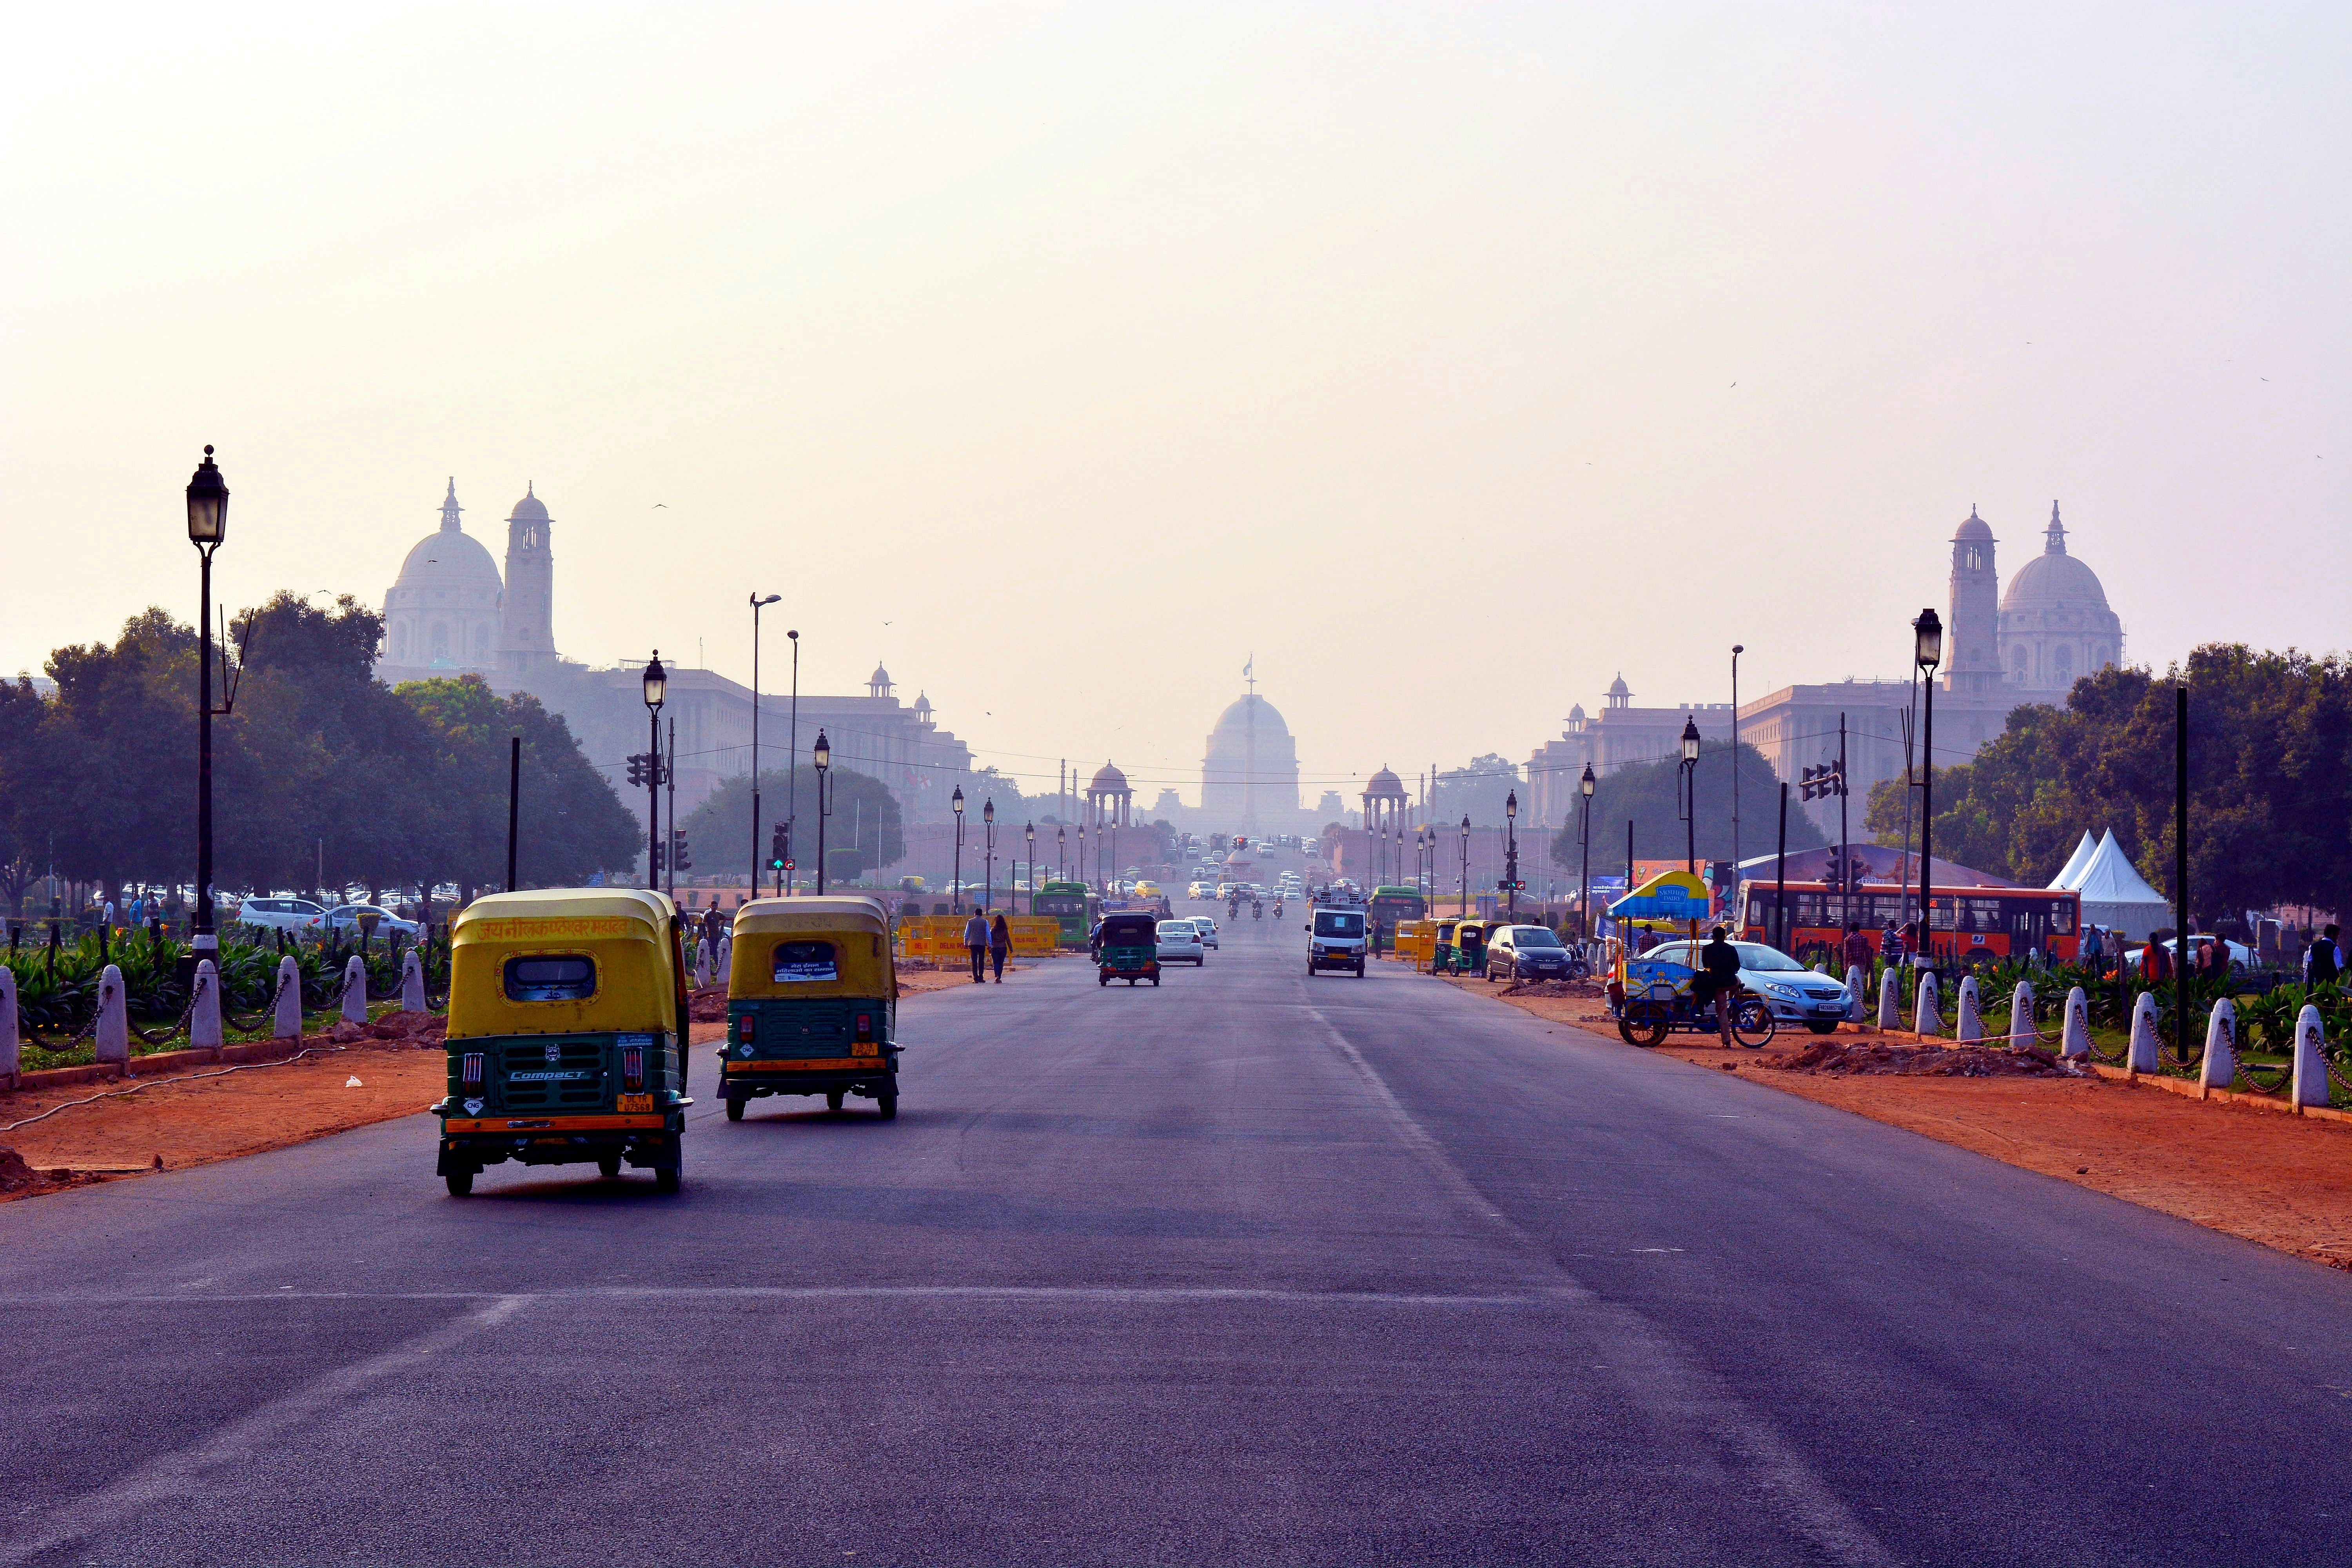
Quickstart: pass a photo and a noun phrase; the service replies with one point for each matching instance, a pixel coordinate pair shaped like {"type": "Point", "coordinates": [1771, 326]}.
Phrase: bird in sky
{"type": "Point", "coordinates": [659, 506]}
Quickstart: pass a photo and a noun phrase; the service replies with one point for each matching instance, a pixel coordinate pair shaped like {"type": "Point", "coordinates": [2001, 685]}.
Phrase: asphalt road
{"type": "Point", "coordinates": [1249, 1268]}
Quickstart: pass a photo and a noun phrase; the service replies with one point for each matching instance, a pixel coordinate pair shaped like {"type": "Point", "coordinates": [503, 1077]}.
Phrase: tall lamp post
{"type": "Point", "coordinates": [1511, 855]}
{"type": "Point", "coordinates": [207, 524]}
{"type": "Point", "coordinates": [656, 689]}
{"type": "Point", "coordinates": [956, 805]}
{"type": "Point", "coordinates": [1686, 793]}
{"type": "Point", "coordinates": [820, 757]}
{"type": "Point", "coordinates": [1465, 863]}
{"type": "Point", "coordinates": [1062, 852]}
{"type": "Point", "coordinates": [1736, 650]}
{"type": "Point", "coordinates": [793, 768]}
{"type": "Point", "coordinates": [1584, 843]}
{"type": "Point", "coordinates": [1029, 839]}
{"type": "Point", "coordinates": [758, 604]}
{"type": "Point", "coordinates": [1928, 649]}
{"type": "Point", "coordinates": [987, 852]}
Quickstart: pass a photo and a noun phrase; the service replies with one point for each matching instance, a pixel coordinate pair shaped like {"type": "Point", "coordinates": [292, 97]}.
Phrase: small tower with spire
{"type": "Point", "coordinates": [450, 510]}
{"type": "Point", "coordinates": [526, 621]}
{"type": "Point", "coordinates": [2054, 536]}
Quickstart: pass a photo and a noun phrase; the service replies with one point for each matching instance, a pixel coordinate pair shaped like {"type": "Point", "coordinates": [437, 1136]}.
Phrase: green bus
{"type": "Point", "coordinates": [1070, 903]}
{"type": "Point", "coordinates": [1389, 905]}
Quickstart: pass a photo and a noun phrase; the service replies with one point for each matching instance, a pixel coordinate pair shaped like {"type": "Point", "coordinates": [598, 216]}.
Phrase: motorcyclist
{"type": "Point", "coordinates": [1718, 981]}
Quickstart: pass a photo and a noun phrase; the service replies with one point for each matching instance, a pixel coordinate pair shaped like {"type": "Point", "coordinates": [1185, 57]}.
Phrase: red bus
{"type": "Point", "coordinates": [1977, 925]}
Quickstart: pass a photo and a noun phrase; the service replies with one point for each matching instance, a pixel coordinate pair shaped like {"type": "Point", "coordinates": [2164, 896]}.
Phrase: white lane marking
{"type": "Point", "coordinates": [1112, 1295]}
{"type": "Point", "coordinates": [238, 1446]}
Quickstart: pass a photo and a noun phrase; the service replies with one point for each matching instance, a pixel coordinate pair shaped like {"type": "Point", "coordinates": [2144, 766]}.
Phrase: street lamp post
{"type": "Point", "coordinates": [656, 689]}
{"type": "Point", "coordinates": [207, 524]}
{"type": "Point", "coordinates": [1584, 843]}
{"type": "Point", "coordinates": [1029, 840]}
{"type": "Point", "coordinates": [793, 768]}
{"type": "Point", "coordinates": [1927, 651]}
{"type": "Point", "coordinates": [1687, 792]}
{"type": "Point", "coordinates": [1062, 852]}
{"type": "Point", "coordinates": [758, 604]}
{"type": "Point", "coordinates": [1511, 855]}
{"type": "Point", "coordinates": [821, 757]}
{"type": "Point", "coordinates": [987, 852]}
{"type": "Point", "coordinates": [1736, 650]}
{"type": "Point", "coordinates": [956, 805]}
{"type": "Point", "coordinates": [1465, 889]}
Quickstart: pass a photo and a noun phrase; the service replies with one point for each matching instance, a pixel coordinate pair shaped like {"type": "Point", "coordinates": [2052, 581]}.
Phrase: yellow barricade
{"type": "Point", "coordinates": [1416, 942]}
{"type": "Point", "coordinates": [941, 936]}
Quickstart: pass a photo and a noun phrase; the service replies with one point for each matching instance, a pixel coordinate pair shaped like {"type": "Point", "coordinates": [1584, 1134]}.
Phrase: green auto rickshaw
{"type": "Point", "coordinates": [1128, 948]}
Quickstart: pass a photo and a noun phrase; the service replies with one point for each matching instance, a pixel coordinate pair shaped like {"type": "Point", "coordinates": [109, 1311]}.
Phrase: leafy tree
{"type": "Point", "coordinates": [118, 753]}
{"type": "Point", "coordinates": [864, 824]}
{"type": "Point", "coordinates": [24, 714]}
{"type": "Point", "coordinates": [1644, 795]}
{"type": "Point", "coordinates": [1478, 790]}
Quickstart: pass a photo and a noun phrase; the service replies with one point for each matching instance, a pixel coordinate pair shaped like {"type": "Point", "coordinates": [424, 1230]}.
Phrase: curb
{"type": "Point", "coordinates": [158, 1064]}
{"type": "Point", "coordinates": [2189, 1090]}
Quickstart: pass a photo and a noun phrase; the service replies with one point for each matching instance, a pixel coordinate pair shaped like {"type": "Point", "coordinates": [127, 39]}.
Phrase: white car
{"type": "Point", "coordinates": [283, 914]}
{"type": "Point", "coordinates": [1796, 995]}
{"type": "Point", "coordinates": [2240, 955]}
{"type": "Point", "coordinates": [1208, 929]}
{"type": "Point", "coordinates": [1180, 942]}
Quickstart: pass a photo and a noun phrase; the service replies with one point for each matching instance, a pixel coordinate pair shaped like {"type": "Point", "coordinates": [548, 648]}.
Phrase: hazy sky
{"type": "Point", "coordinates": [1065, 357]}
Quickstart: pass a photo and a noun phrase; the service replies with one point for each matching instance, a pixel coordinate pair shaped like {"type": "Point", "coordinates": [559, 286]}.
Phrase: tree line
{"type": "Point", "coordinates": [2270, 782]}
{"type": "Point", "coordinates": [322, 776]}
{"type": "Point", "coordinates": [1645, 794]}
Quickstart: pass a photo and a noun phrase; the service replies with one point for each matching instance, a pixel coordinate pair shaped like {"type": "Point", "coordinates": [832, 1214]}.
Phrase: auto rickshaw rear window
{"type": "Point", "coordinates": [800, 963]}
{"type": "Point", "coordinates": [568, 977]}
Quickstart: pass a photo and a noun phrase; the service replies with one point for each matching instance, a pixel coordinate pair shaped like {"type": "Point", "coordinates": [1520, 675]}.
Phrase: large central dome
{"type": "Point", "coordinates": [1245, 711]}
{"type": "Point", "coordinates": [1251, 766]}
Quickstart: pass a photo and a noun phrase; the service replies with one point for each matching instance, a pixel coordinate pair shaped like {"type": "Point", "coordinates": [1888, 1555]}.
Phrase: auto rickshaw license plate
{"type": "Point", "coordinates": [864, 1048]}
{"type": "Point", "coordinates": [635, 1102]}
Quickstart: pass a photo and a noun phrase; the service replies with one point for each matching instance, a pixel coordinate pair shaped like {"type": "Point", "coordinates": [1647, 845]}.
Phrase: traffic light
{"type": "Point", "coordinates": [1823, 782]}
{"type": "Point", "coordinates": [655, 867]}
{"type": "Point", "coordinates": [680, 856]}
{"type": "Point", "coordinates": [780, 847]}
{"type": "Point", "coordinates": [637, 770]}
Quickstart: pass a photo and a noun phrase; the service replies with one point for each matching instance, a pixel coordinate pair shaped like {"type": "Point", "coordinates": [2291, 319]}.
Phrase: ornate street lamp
{"type": "Point", "coordinates": [1927, 651]}
{"type": "Point", "coordinates": [758, 603]}
{"type": "Point", "coordinates": [1465, 863]}
{"type": "Point", "coordinates": [656, 690]}
{"type": "Point", "coordinates": [987, 852]}
{"type": "Point", "coordinates": [207, 525]}
{"type": "Point", "coordinates": [1585, 786]}
{"type": "Point", "coordinates": [1029, 836]}
{"type": "Point", "coordinates": [1686, 793]}
{"type": "Point", "coordinates": [956, 805]}
{"type": "Point", "coordinates": [1511, 854]}
{"type": "Point", "coordinates": [821, 757]}
{"type": "Point", "coordinates": [1061, 852]}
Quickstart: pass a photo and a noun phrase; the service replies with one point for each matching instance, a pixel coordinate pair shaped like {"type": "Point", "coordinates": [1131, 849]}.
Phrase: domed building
{"type": "Point", "coordinates": [450, 612]}
{"type": "Point", "coordinates": [2055, 625]}
{"type": "Point", "coordinates": [1249, 776]}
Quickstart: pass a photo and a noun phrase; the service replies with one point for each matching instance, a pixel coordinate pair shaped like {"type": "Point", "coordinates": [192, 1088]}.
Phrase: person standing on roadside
{"type": "Point", "coordinates": [1857, 947]}
{"type": "Point", "coordinates": [976, 942]}
{"type": "Point", "coordinates": [2323, 960]}
{"type": "Point", "coordinates": [1718, 980]}
{"type": "Point", "coordinates": [1000, 943]}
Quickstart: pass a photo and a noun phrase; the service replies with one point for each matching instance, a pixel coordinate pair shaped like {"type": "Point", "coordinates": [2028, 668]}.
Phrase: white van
{"type": "Point", "coordinates": [1334, 940]}
{"type": "Point", "coordinates": [280, 913]}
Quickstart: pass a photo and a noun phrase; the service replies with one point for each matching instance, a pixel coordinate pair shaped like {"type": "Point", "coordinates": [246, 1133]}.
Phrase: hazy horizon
{"type": "Point", "coordinates": [1446, 361]}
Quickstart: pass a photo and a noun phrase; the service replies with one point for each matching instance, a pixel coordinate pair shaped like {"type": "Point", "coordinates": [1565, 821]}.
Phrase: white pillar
{"type": "Point", "coordinates": [287, 1024]}
{"type": "Point", "coordinates": [1854, 985]}
{"type": "Point", "coordinates": [354, 991]}
{"type": "Point", "coordinates": [1971, 1026]}
{"type": "Point", "coordinates": [1924, 1016]}
{"type": "Point", "coordinates": [113, 1029]}
{"type": "Point", "coordinates": [727, 955]}
{"type": "Point", "coordinates": [1890, 1001]}
{"type": "Point", "coordinates": [2220, 1068]}
{"type": "Point", "coordinates": [701, 965]}
{"type": "Point", "coordinates": [10, 1044]}
{"type": "Point", "coordinates": [2020, 1017]}
{"type": "Point", "coordinates": [2310, 1061]}
{"type": "Point", "coordinates": [205, 1017]}
{"type": "Point", "coordinates": [2144, 1044]}
{"type": "Point", "coordinates": [411, 983]}
{"type": "Point", "coordinates": [2077, 1039]}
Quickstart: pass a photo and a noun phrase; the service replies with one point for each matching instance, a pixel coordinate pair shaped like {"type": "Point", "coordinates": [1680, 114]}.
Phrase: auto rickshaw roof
{"type": "Point", "coordinates": [480, 919]}
{"type": "Point", "coordinates": [831, 913]}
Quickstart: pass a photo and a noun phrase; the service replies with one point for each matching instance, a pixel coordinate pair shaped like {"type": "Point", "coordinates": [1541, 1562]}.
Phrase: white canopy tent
{"type": "Point", "coordinates": [2064, 880]}
{"type": "Point", "coordinates": [2115, 895]}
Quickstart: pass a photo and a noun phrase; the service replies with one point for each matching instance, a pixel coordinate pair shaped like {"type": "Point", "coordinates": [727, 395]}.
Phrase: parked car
{"type": "Point", "coordinates": [1528, 952]}
{"type": "Point", "coordinates": [280, 914]}
{"type": "Point", "coordinates": [345, 920]}
{"type": "Point", "coordinates": [1796, 995]}
{"type": "Point", "coordinates": [2240, 955]}
{"type": "Point", "coordinates": [1180, 942]}
{"type": "Point", "coordinates": [1208, 932]}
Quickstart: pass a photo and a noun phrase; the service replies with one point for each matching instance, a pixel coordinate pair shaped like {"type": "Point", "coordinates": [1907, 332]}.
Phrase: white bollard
{"type": "Point", "coordinates": [411, 983]}
{"type": "Point", "coordinates": [726, 956]}
{"type": "Point", "coordinates": [1925, 1019]}
{"type": "Point", "coordinates": [701, 965]}
{"type": "Point", "coordinates": [355, 991]}
{"type": "Point", "coordinates": [1890, 1001]}
{"type": "Point", "coordinates": [11, 1046]}
{"type": "Point", "coordinates": [2077, 1041]}
{"type": "Point", "coordinates": [2020, 1017]}
{"type": "Point", "coordinates": [2144, 1043]}
{"type": "Point", "coordinates": [2221, 1067]}
{"type": "Point", "coordinates": [205, 1017]}
{"type": "Point", "coordinates": [287, 1023]}
{"type": "Point", "coordinates": [113, 1030]}
{"type": "Point", "coordinates": [1971, 1025]}
{"type": "Point", "coordinates": [2310, 1060]}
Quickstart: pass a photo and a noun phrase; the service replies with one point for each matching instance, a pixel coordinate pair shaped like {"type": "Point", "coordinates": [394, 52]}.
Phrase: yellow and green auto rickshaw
{"type": "Point", "coordinates": [1128, 947]}
{"type": "Point", "coordinates": [812, 1004]}
{"type": "Point", "coordinates": [1440, 950]}
{"type": "Point", "coordinates": [1470, 945]}
{"type": "Point", "coordinates": [567, 1035]}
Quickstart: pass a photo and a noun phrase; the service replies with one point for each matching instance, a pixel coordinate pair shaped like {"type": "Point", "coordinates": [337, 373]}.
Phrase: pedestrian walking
{"type": "Point", "coordinates": [2155, 963]}
{"type": "Point", "coordinates": [1000, 943]}
{"type": "Point", "coordinates": [976, 942]}
{"type": "Point", "coordinates": [1857, 947]}
{"type": "Point", "coordinates": [2092, 956]}
{"type": "Point", "coordinates": [1718, 980]}
{"type": "Point", "coordinates": [2323, 960]}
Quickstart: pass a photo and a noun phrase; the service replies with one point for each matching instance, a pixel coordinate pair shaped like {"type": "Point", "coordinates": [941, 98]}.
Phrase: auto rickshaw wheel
{"type": "Point", "coordinates": [735, 1108]}
{"type": "Point", "coordinates": [888, 1104]}
{"type": "Point", "coordinates": [461, 1182]}
{"type": "Point", "coordinates": [833, 1098]}
{"type": "Point", "coordinates": [609, 1165]}
{"type": "Point", "coordinates": [1155, 980]}
{"type": "Point", "coordinates": [1644, 1024]}
{"type": "Point", "coordinates": [667, 1178]}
